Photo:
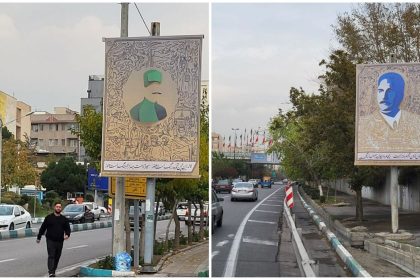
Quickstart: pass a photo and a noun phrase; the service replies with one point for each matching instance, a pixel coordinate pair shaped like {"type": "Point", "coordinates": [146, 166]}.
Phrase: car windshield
{"type": "Point", "coordinates": [223, 182]}
{"type": "Point", "coordinates": [74, 208]}
{"type": "Point", "coordinates": [243, 185]}
{"type": "Point", "coordinates": [6, 210]}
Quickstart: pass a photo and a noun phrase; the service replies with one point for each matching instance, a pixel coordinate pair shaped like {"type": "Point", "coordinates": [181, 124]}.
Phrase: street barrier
{"type": "Point", "coordinates": [303, 260]}
{"type": "Point", "coordinates": [97, 272]}
{"type": "Point", "coordinates": [342, 252]}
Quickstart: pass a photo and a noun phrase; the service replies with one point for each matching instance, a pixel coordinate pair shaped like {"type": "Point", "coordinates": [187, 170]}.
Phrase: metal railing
{"type": "Point", "coordinates": [307, 266]}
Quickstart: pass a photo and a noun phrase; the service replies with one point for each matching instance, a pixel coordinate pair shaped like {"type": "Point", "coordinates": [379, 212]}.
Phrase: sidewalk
{"type": "Point", "coordinates": [376, 219]}
{"type": "Point", "coordinates": [188, 263]}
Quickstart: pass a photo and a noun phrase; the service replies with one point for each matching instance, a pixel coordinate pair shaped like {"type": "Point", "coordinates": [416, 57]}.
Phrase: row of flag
{"type": "Point", "coordinates": [249, 139]}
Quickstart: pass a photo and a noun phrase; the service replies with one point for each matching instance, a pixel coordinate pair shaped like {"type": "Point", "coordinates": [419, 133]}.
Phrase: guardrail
{"type": "Point", "coordinates": [342, 252]}
{"type": "Point", "coordinates": [306, 265]}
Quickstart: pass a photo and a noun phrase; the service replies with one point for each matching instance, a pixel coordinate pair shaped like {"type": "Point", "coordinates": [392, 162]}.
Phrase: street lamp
{"type": "Point", "coordinates": [1, 143]}
{"type": "Point", "coordinates": [234, 145]}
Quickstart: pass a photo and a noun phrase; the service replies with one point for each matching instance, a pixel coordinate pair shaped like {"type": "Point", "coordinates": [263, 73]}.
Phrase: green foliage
{"type": "Point", "coordinates": [10, 198]}
{"type": "Point", "coordinates": [90, 131]}
{"type": "Point", "coordinates": [17, 164]}
{"type": "Point", "coordinates": [64, 176]}
{"type": "Point", "coordinates": [89, 198]}
{"type": "Point", "coordinates": [107, 263]}
{"type": "Point", "coordinates": [24, 199]}
{"type": "Point", "coordinates": [6, 134]}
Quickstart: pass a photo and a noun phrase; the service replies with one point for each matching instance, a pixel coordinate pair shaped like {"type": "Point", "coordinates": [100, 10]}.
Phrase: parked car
{"type": "Point", "coordinates": [181, 210]}
{"type": "Point", "coordinates": [266, 184]}
{"type": "Point", "coordinates": [236, 181]}
{"type": "Point", "coordinates": [94, 208]}
{"type": "Point", "coordinates": [197, 214]}
{"type": "Point", "coordinates": [103, 210]}
{"type": "Point", "coordinates": [131, 217]}
{"type": "Point", "coordinates": [254, 182]}
{"type": "Point", "coordinates": [78, 213]}
{"type": "Point", "coordinates": [223, 186]}
{"type": "Point", "coordinates": [244, 190]}
{"type": "Point", "coordinates": [216, 211]}
{"type": "Point", "coordinates": [14, 217]}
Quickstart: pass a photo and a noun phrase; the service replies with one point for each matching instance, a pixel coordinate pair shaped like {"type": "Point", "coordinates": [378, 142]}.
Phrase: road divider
{"type": "Point", "coordinates": [356, 269]}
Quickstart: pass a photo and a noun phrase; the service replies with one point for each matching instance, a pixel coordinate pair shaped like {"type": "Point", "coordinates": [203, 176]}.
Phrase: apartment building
{"type": "Point", "coordinates": [51, 133]}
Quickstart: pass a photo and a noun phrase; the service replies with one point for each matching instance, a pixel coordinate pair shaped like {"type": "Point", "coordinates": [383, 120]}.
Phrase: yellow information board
{"type": "Point", "coordinates": [135, 187]}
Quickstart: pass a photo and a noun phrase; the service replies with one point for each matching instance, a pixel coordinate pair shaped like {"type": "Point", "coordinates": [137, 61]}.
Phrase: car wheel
{"type": "Point", "coordinates": [28, 225]}
{"type": "Point", "coordinates": [12, 226]}
{"type": "Point", "coordinates": [220, 221]}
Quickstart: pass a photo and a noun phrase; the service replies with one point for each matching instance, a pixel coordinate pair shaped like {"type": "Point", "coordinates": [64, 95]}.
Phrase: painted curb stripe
{"type": "Point", "coordinates": [347, 258]}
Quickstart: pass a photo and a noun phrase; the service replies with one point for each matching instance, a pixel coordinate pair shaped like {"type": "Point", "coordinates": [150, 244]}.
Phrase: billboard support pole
{"type": "Point", "coordinates": [136, 234]}
{"type": "Point", "coordinates": [118, 244]}
{"type": "Point", "coordinates": [394, 198]}
{"type": "Point", "coordinates": [150, 202]}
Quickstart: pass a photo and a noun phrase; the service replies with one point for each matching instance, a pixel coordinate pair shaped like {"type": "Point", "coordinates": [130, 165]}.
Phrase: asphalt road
{"type": "Point", "coordinates": [247, 243]}
{"type": "Point", "coordinates": [23, 257]}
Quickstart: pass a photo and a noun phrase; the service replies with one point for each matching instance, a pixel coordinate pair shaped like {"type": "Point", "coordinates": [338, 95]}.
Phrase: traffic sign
{"type": "Point", "coordinates": [135, 187]}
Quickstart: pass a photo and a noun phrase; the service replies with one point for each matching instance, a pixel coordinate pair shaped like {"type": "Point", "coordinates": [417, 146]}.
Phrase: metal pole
{"type": "Point", "coordinates": [394, 198]}
{"type": "Point", "coordinates": [150, 202]}
{"type": "Point", "coordinates": [119, 199]}
{"type": "Point", "coordinates": [136, 234]}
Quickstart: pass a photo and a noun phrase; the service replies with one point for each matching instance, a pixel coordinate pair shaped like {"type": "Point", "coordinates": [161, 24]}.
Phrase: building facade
{"type": "Point", "coordinates": [51, 133]}
{"type": "Point", "coordinates": [95, 93]}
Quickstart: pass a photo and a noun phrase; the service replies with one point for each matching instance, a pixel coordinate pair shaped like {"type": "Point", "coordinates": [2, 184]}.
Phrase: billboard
{"type": "Point", "coordinates": [264, 158]}
{"type": "Point", "coordinates": [387, 114]}
{"type": "Point", "coordinates": [151, 120]}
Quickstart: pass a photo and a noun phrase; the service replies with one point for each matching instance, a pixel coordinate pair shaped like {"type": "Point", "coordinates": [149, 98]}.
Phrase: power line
{"type": "Point", "coordinates": [143, 19]}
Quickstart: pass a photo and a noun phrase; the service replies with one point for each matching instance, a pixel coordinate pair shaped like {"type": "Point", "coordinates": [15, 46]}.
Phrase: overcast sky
{"type": "Point", "coordinates": [260, 51]}
{"type": "Point", "coordinates": [48, 51]}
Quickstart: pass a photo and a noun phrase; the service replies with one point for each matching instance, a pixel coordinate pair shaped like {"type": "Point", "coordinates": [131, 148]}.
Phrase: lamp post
{"type": "Point", "coordinates": [234, 145]}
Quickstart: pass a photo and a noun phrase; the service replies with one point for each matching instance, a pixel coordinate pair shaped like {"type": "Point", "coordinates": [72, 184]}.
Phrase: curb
{"type": "Point", "coordinates": [345, 256]}
{"type": "Point", "coordinates": [30, 232]}
{"type": "Point", "coordinates": [165, 257]}
{"type": "Point", "coordinates": [97, 272]}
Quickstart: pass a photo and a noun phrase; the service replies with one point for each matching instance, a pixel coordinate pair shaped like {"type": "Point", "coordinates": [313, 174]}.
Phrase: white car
{"type": "Point", "coordinates": [14, 217]}
{"type": "Point", "coordinates": [93, 207]}
{"type": "Point", "coordinates": [181, 210]}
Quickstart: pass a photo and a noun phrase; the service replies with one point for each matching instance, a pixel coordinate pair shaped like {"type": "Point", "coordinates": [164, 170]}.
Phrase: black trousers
{"type": "Point", "coordinates": [54, 249]}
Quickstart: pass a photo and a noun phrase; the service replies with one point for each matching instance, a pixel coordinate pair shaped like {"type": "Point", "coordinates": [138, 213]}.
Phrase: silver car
{"type": "Point", "coordinates": [244, 190]}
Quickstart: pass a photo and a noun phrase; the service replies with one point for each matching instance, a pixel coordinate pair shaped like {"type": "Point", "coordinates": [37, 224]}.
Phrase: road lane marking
{"type": "Point", "coordinates": [8, 260]}
{"type": "Point", "coordinates": [76, 247]}
{"type": "Point", "coordinates": [273, 205]}
{"type": "Point", "coordinates": [231, 235]}
{"type": "Point", "coordinates": [232, 259]}
{"type": "Point", "coordinates": [214, 253]}
{"type": "Point", "coordinates": [275, 212]}
{"type": "Point", "coordinates": [248, 239]}
{"type": "Point", "coordinates": [222, 243]}
{"type": "Point", "coordinates": [262, 222]}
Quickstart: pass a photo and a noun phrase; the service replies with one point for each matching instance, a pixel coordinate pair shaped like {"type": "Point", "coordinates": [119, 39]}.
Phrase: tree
{"type": "Point", "coordinates": [17, 164]}
{"type": "Point", "coordinates": [90, 131]}
{"type": "Point", "coordinates": [64, 176]}
{"type": "Point", "coordinates": [6, 134]}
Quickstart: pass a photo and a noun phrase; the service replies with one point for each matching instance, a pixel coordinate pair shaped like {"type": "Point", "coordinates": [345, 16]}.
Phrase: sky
{"type": "Point", "coordinates": [48, 50]}
{"type": "Point", "coordinates": [260, 51]}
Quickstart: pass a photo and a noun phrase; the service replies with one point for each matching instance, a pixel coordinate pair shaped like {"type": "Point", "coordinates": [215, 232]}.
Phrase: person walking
{"type": "Point", "coordinates": [58, 230]}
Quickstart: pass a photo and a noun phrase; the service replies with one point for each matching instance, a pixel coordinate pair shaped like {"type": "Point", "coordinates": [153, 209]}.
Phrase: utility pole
{"type": "Point", "coordinates": [1, 150]}
{"type": "Point", "coordinates": [234, 145]}
{"type": "Point", "coordinates": [118, 244]}
{"type": "Point", "coordinates": [150, 202]}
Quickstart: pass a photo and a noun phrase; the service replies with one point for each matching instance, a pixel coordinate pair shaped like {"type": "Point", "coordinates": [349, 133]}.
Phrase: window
{"type": "Point", "coordinates": [34, 128]}
{"type": "Point", "coordinates": [41, 127]}
{"type": "Point", "coordinates": [41, 142]}
{"type": "Point", "coordinates": [63, 126]}
{"type": "Point", "coordinates": [55, 142]}
{"type": "Point", "coordinates": [56, 127]}
{"type": "Point", "coordinates": [50, 142]}
{"type": "Point", "coordinates": [16, 211]}
{"type": "Point", "coordinates": [51, 127]}
{"type": "Point", "coordinates": [34, 141]}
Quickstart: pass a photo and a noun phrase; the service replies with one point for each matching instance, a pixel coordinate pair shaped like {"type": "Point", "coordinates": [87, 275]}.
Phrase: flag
{"type": "Point", "coordinates": [263, 141]}
{"type": "Point", "coordinates": [229, 142]}
{"type": "Point", "coordinates": [241, 140]}
{"type": "Point", "coordinates": [223, 141]}
{"type": "Point", "coordinates": [271, 142]}
{"type": "Point", "coordinates": [256, 138]}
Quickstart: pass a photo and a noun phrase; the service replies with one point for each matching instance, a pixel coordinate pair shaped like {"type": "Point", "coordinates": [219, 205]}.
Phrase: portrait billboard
{"type": "Point", "coordinates": [151, 119]}
{"type": "Point", "coordinates": [388, 114]}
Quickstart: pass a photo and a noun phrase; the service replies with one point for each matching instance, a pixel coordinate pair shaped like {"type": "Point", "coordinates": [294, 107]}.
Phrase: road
{"type": "Point", "coordinates": [23, 257]}
{"type": "Point", "coordinates": [247, 243]}
{"type": "Point", "coordinates": [255, 242]}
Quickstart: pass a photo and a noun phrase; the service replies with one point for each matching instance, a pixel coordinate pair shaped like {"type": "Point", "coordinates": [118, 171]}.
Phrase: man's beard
{"type": "Point", "coordinates": [57, 212]}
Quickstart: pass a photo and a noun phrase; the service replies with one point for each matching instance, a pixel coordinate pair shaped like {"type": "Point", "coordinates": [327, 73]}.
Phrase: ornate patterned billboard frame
{"type": "Point", "coordinates": [387, 114]}
{"type": "Point", "coordinates": [151, 121]}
